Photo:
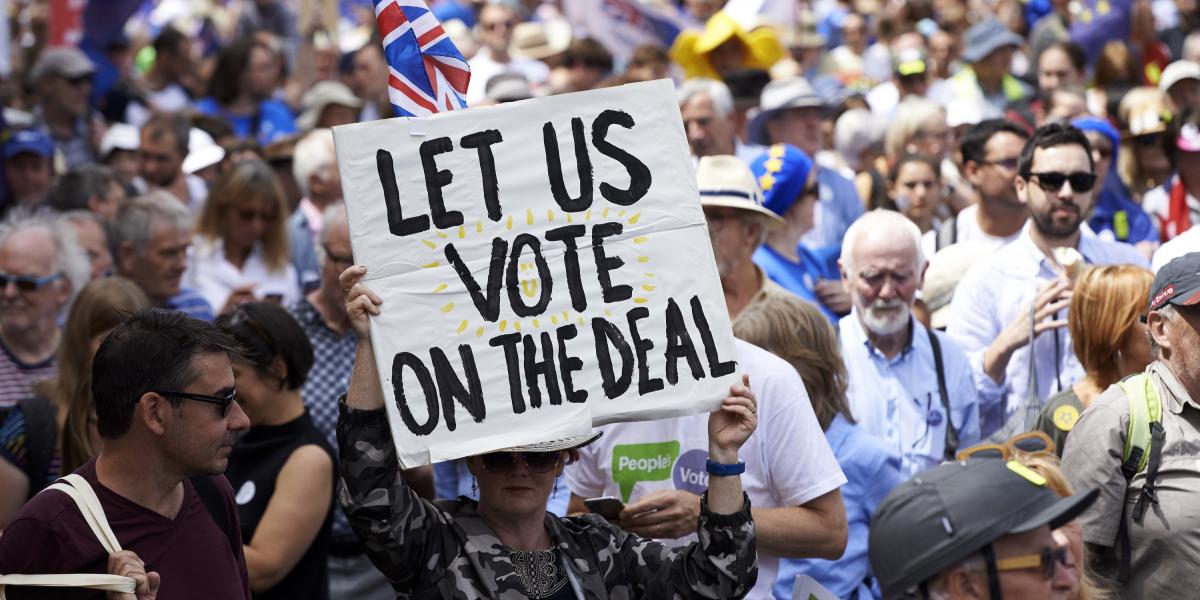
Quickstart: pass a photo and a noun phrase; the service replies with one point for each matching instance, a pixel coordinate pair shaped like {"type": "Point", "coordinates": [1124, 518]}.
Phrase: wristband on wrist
{"type": "Point", "coordinates": [725, 470]}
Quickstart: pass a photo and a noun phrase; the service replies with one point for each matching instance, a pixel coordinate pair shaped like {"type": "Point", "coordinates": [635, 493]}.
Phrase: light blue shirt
{"type": "Point", "coordinates": [897, 399]}
{"type": "Point", "coordinates": [838, 206]}
{"type": "Point", "coordinates": [993, 293]}
{"type": "Point", "coordinates": [872, 470]}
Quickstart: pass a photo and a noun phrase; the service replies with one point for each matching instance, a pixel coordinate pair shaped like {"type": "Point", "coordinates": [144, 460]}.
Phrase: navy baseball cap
{"type": "Point", "coordinates": [945, 514]}
{"type": "Point", "coordinates": [34, 141]}
{"type": "Point", "coordinates": [1177, 282]}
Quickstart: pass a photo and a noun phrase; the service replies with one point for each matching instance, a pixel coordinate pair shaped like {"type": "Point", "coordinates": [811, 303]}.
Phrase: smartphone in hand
{"type": "Point", "coordinates": [606, 506]}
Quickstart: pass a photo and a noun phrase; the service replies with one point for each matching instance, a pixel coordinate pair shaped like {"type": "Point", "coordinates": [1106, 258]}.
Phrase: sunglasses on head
{"type": "Point", "coordinates": [1048, 561]}
{"type": "Point", "coordinates": [1052, 181]}
{"type": "Point", "coordinates": [1030, 442]}
{"type": "Point", "coordinates": [27, 283]}
{"type": "Point", "coordinates": [221, 401]}
{"type": "Point", "coordinates": [505, 462]}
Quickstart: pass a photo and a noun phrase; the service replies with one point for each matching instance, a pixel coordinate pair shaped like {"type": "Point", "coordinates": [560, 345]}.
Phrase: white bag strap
{"type": "Point", "coordinates": [78, 489]}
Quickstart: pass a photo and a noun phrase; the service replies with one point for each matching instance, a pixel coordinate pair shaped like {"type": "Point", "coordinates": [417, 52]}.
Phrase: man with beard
{"type": "Point", "coordinates": [737, 226]}
{"type": "Point", "coordinates": [168, 414]}
{"type": "Point", "coordinates": [149, 240]}
{"type": "Point", "coordinates": [1022, 291]}
{"type": "Point", "coordinates": [910, 386]}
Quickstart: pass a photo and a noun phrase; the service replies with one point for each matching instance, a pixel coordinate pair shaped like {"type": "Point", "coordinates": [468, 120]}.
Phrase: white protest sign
{"type": "Point", "coordinates": [544, 267]}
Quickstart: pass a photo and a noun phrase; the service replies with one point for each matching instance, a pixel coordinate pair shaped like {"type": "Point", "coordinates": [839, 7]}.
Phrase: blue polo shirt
{"type": "Point", "coordinates": [801, 278]}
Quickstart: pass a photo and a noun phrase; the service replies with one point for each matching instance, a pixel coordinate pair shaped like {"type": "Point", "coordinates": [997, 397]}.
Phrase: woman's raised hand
{"type": "Point", "coordinates": [731, 425]}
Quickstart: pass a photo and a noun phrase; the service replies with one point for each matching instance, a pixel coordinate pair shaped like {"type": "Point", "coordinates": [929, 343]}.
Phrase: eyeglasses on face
{"type": "Point", "coordinates": [1048, 561]}
{"type": "Point", "coordinates": [221, 401]}
{"type": "Point", "coordinates": [504, 462]}
{"type": "Point", "coordinates": [1052, 181]}
{"type": "Point", "coordinates": [27, 283]}
{"type": "Point", "coordinates": [1030, 442]}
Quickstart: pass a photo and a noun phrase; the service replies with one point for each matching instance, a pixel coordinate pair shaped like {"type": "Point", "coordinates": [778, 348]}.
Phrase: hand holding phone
{"type": "Point", "coordinates": [606, 506]}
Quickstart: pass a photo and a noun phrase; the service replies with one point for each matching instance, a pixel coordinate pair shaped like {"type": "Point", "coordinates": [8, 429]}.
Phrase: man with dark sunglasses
{"type": "Point", "coordinates": [168, 414]}
{"type": "Point", "coordinates": [1006, 302]}
{"type": "Point", "coordinates": [979, 528]}
{"type": "Point", "coordinates": [62, 80]}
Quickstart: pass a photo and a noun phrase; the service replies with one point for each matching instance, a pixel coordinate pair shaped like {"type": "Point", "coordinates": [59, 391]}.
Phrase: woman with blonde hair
{"type": "Point", "coordinates": [98, 309]}
{"type": "Point", "coordinates": [1109, 339]}
{"type": "Point", "coordinates": [799, 333]}
{"type": "Point", "coordinates": [240, 252]}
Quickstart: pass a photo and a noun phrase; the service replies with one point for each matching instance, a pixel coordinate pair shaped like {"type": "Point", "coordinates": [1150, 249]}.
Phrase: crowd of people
{"type": "Point", "coordinates": [953, 237]}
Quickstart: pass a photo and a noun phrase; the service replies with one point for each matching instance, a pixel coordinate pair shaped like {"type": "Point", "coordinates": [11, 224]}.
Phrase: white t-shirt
{"type": "Point", "coordinates": [969, 230]}
{"type": "Point", "coordinates": [788, 461]}
{"type": "Point", "coordinates": [1184, 243]}
{"type": "Point", "coordinates": [215, 278]}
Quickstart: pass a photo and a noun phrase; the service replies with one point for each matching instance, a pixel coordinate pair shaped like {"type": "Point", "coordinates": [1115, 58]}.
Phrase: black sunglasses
{"type": "Point", "coordinates": [27, 283]}
{"type": "Point", "coordinates": [222, 401]}
{"type": "Point", "coordinates": [1052, 181]}
{"type": "Point", "coordinates": [504, 462]}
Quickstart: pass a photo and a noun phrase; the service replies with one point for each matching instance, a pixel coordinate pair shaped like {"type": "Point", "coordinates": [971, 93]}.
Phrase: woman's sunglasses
{"type": "Point", "coordinates": [1030, 442]}
{"type": "Point", "coordinates": [504, 462]}
{"type": "Point", "coordinates": [1047, 561]}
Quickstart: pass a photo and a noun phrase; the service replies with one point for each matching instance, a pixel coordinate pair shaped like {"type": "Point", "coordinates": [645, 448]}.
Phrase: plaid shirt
{"type": "Point", "coordinates": [333, 359]}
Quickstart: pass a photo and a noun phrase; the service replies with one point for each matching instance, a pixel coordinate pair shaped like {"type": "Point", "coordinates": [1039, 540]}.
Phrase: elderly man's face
{"type": "Point", "coordinates": [883, 278]}
{"type": "Point", "coordinates": [94, 242]}
{"type": "Point", "coordinates": [708, 132]}
{"type": "Point", "coordinates": [31, 253]}
{"type": "Point", "coordinates": [1179, 339]}
{"type": "Point", "coordinates": [159, 268]}
{"type": "Point", "coordinates": [734, 239]}
{"type": "Point", "coordinates": [338, 256]}
{"type": "Point", "coordinates": [800, 127]}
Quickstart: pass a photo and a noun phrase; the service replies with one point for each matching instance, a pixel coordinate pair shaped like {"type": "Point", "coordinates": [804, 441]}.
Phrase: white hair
{"type": "Point", "coordinates": [69, 257]}
{"type": "Point", "coordinates": [881, 223]}
{"type": "Point", "coordinates": [313, 154]}
{"type": "Point", "coordinates": [334, 216]}
{"type": "Point", "coordinates": [911, 115]}
{"type": "Point", "coordinates": [718, 93]}
{"type": "Point", "coordinates": [856, 131]}
{"type": "Point", "coordinates": [137, 217]}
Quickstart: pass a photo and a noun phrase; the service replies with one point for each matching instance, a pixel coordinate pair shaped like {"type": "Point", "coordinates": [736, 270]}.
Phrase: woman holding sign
{"type": "Point", "coordinates": [506, 544]}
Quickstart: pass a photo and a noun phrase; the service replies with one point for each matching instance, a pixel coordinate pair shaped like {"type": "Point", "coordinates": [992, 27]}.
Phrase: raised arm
{"type": "Point", "coordinates": [398, 529]}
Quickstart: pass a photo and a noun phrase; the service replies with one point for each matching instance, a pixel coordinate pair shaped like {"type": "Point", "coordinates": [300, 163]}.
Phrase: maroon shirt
{"type": "Point", "coordinates": [190, 552]}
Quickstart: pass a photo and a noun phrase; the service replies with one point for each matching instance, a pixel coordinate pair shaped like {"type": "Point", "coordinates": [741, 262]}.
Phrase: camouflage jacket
{"type": "Point", "coordinates": [445, 550]}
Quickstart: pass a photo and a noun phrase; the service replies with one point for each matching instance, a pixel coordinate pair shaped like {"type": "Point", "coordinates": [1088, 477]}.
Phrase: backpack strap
{"type": "Point", "coordinates": [1143, 450]}
{"type": "Point", "coordinates": [214, 503]}
{"type": "Point", "coordinates": [951, 445]}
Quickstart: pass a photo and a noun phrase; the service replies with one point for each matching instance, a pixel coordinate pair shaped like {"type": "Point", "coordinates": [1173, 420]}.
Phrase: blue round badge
{"type": "Point", "coordinates": [689, 473]}
{"type": "Point", "coordinates": [935, 417]}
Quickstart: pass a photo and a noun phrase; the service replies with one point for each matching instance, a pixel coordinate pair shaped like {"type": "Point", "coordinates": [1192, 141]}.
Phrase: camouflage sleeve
{"type": "Point", "coordinates": [723, 563]}
{"type": "Point", "coordinates": [400, 532]}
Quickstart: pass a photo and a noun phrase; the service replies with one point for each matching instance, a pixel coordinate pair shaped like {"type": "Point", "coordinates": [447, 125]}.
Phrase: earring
{"type": "Point", "coordinates": [474, 490]}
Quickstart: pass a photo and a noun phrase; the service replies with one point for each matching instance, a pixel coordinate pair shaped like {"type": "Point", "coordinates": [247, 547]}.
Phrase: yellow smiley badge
{"type": "Point", "coordinates": [1065, 416]}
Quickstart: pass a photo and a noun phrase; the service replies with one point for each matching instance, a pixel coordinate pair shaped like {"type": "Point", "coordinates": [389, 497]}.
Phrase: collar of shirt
{"type": "Point", "coordinates": [1040, 264]}
{"type": "Point", "coordinates": [1176, 396]}
{"type": "Point", "coordinates": [851, 327]}
{"type": "Point", "coordinates": [313, 219]}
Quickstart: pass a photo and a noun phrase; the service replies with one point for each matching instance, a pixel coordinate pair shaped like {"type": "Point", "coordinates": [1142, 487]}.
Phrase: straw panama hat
{"type": "Point", "coordinates": [726, 181]}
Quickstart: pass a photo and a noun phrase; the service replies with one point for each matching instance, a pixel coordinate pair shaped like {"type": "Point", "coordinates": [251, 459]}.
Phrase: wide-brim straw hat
{"type": "Point", "coordinates": [567, 443]}
{"type": "Point", "coordinates": [540, 40]}
{"type": "Point", "coordinates": [728, 182]}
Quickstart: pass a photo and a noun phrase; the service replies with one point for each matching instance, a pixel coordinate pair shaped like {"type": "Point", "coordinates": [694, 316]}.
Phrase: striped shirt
{"type": "Point", "coordinates": [17, 378]}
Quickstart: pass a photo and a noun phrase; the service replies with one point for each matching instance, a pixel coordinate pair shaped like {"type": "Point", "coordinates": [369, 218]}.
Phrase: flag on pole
{"type": "Point", "coordinates": [427, 72]}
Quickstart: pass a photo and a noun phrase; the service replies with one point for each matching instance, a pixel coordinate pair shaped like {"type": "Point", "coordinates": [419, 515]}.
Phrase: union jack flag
{"type": "Point", "coordinates": [427, 72]}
